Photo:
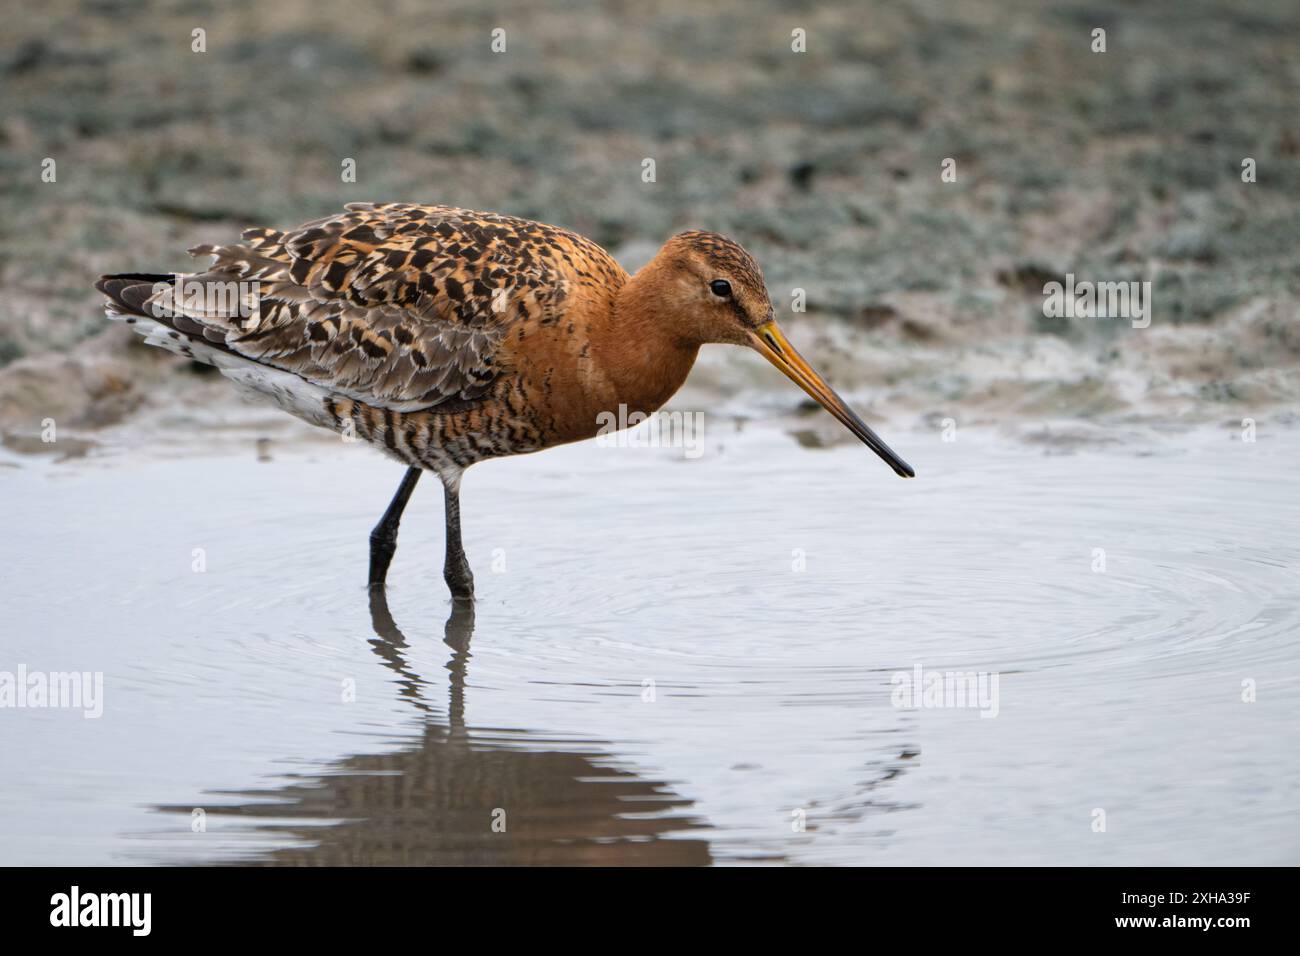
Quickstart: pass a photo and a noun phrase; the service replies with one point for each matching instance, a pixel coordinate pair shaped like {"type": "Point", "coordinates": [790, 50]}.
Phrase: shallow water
{"type": "Point", "coordinates": [670, 661]}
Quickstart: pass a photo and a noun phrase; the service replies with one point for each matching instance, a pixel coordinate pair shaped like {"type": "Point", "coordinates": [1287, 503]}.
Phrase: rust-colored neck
{"type": "Point", "coordinates": [644, 348]}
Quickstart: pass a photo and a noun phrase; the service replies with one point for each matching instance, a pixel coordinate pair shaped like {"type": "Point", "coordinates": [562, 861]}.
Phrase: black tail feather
{"type": "Point", "coordinates": [130, 291]}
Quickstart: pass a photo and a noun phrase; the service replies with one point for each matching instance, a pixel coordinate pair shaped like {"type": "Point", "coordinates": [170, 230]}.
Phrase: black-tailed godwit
{"type": "Point", "coordinates": [445, 337]}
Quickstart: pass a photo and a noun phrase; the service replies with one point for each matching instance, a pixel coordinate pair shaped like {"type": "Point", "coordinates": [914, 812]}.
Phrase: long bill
{"type": "Point", "coordinates": [769, 340]}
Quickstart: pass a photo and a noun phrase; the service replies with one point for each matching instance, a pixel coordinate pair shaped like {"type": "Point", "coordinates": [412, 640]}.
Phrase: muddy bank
{"type": "Point", "coordinates": [924, 297]}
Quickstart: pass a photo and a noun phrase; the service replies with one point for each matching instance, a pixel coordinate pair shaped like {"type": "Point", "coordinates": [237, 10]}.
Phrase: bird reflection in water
{"type": "Point", "coordinates": [434, 800]}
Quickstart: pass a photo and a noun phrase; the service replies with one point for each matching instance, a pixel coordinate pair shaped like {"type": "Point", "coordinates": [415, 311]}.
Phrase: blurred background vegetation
{"type": "Point", "coordinates": [924, 296]}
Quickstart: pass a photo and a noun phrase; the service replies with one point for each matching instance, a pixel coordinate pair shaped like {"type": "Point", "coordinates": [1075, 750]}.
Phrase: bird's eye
{"type": "Point", "coordinates": [721, 288]}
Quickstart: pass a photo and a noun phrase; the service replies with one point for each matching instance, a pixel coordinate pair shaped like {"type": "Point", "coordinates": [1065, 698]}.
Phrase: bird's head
{"type": "Point", "coordinates": [715, 290]}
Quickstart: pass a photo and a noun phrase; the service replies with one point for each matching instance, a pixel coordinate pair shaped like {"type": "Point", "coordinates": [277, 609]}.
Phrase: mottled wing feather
{"type": "Point", "coordinates": [396, 305]}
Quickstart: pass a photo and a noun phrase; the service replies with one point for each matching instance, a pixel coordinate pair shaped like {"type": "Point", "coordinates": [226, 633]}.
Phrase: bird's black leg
{"type": "Point", "coordinates": [456, 570]}
{"type": "Point", "coordinates": [383, 539]}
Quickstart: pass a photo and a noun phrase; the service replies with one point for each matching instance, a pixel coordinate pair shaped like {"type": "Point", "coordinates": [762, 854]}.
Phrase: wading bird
{"type": "Point", "coordinates": [446, 337]}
